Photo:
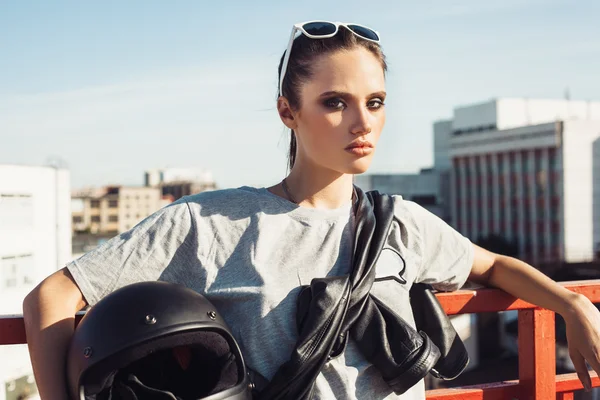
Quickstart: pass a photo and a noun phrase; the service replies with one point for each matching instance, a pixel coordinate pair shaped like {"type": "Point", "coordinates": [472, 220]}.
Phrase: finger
{"type": "Point", "coordinates": [581, 368]}
{"type": "Point", "coordinates": [593, 362]}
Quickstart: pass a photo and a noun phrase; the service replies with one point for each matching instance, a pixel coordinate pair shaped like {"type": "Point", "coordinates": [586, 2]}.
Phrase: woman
{"type": "Point", "coordinates": [250, 249]}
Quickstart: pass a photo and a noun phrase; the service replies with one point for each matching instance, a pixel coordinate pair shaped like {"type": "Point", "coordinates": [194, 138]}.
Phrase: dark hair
{"type": "Point", "coordinates": [304, 51]}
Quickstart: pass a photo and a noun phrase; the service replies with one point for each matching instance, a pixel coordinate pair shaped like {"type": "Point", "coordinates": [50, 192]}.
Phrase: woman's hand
{"type": "Point", "coordinates": [525, 282]}
{"type": "Point", "coordinates": [583, 336]}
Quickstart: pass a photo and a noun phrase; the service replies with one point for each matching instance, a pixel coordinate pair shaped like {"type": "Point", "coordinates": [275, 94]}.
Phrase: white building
{"type": "Point", "coordinates": [527, 170]}
{"type": "Point", "coordinates": [35, 241]}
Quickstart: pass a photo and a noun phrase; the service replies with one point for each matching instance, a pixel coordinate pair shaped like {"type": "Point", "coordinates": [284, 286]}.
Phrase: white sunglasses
{"type": "Point", "coordinates": [323, 30]}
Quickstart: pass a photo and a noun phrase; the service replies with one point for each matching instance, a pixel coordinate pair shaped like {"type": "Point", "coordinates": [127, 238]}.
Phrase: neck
{"type": "Point", "coordinates": [320, 188]}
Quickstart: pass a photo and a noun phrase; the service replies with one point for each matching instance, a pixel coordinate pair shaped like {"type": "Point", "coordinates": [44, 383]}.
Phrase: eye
{"type": "Point", "coordinates": [375, 104]}
{"type": "Point", "coordinates": [334, 103]}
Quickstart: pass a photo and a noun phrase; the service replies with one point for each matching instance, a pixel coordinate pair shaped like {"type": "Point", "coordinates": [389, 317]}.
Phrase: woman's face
{"type": "Point", "coordinates": [341, 114]}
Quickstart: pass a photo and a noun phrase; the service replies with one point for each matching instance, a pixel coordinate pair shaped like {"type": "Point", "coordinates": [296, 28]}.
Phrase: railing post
{"type": "Point", "coordinates": [537, 357]}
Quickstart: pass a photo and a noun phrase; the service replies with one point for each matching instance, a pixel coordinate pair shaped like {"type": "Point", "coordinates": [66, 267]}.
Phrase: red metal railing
{"type": "Point", "coordinates": [537, 364]}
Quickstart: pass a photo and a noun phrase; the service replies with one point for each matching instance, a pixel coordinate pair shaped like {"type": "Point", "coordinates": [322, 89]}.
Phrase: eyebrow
{"type": "Point", "coordinates": [345, 94]}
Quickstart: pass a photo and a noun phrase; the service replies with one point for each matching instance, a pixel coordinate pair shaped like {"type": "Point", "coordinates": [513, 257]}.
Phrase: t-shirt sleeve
{"type": "Point", "coordinates": [446, 255]}
{"type": "Point", "coordinates": [140, 254]}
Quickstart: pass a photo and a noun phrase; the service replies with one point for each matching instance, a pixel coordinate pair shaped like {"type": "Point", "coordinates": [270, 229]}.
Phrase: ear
{"type": "Point", "coordinates": [287, 115]}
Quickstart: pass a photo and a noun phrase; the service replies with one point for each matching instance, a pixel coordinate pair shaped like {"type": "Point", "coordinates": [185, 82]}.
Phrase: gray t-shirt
{"type": "Point", "coordinates": [249, 251]}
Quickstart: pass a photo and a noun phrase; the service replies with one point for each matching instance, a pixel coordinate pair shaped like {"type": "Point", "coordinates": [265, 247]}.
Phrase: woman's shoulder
{"type": "Point", "coordinates": [235, 203]}
{"type": "Point", "coordinates": [412, 217]}
{"type": "Point", "coordinates": [219, 196]}
{"type": "Point", "coordinates": [407, 211]}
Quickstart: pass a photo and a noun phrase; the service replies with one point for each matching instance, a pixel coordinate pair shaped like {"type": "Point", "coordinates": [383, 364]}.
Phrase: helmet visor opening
{"type": "Point", "coordinates": [190, 366]}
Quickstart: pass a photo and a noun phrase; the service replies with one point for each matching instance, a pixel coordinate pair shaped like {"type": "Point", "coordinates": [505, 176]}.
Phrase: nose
{"type": "Point", "coordinates": [362, 123]}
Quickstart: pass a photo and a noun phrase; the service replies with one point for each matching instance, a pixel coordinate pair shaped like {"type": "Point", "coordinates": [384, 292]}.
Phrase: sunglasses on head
{"type": "Point", "coordinates": [323, 30]}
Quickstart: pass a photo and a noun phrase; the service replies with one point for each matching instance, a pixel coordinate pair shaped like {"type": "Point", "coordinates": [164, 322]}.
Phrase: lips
{"type": "Point", "coordinates": [359, 145]}
{"type": "Point", "coordinates": [360, 148]}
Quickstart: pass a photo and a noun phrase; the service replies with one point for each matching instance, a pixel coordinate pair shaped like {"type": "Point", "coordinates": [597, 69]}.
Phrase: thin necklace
{"type": "Point", "coordinates": [286, 190]}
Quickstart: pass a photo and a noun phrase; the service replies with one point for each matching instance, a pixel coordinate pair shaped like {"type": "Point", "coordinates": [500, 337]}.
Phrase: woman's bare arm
{"type": "Point", "coordinates": [49, 315]}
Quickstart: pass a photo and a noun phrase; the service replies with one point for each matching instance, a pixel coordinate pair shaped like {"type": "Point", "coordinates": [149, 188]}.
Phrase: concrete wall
{"type": "Point", "coordinates": [475, 115]}
{"type": "Point", "coordinates": [35, 217]}
{"type": "Point", "coordinates": [509, 113]}
{"type": "Point", "coordinates": [529, 137]}
{"type": "Point", "coordinates": [135, 204]}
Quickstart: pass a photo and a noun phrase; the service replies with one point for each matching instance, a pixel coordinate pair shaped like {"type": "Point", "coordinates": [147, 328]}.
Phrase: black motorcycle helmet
{"type": "Point", "coordinates": [155, 340]}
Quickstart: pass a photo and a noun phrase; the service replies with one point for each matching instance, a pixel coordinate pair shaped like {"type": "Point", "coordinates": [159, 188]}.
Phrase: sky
{"type": "Point", "coordinates": [115, 88]}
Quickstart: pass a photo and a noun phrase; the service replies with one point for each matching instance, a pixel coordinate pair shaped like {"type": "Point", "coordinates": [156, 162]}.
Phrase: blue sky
{"type": "Point", "coordinates": [114, 88]}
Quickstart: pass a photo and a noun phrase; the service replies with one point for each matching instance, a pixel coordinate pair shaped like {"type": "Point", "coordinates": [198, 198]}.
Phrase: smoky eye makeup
{"type": "Point", "coordinates": [334, 103]}
{"type": "Point", "coordinates": [338, 100]}
{"type": "Point", "coordinates": [376, 103]}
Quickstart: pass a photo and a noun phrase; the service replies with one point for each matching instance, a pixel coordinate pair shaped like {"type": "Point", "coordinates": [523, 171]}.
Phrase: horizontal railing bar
{"type": "Point", "coordinates": [570, 382]}
{"type": "Point", "coordinates": [491, 300]}
{"type": "Point", "coordinates": [491, 391]}
{"type": "Point", "coordinates": [565, 383]}
{"type": "Point", "coordinates": [12, 331]}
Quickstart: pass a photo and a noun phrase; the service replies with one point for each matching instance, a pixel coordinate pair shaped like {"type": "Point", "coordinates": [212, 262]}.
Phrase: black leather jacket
{"type": "Point", "coordinates": [332, 308]}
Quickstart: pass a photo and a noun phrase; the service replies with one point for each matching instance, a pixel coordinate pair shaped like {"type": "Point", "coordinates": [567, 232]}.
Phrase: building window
{"type": "Point", "coordinates": [478, 188]}
{"type": "Point", "coordinates": [16, 270]}
{"type": "Point", "coordinates": [77, 220]}
{"type": "Point", "coordinates": [501, 183]}
{"type": "Point", "coordinates": [513, 161]}
{"type": "Point", "coordinates": [113, 203]}
{"type": "Point", "coordinates": [525, 158]}
{"type": "Point", "coordinates": [10, 272]}
{"type": "Point", "coordinates": [467, 218]}
{"type": "Point", "coordinates": [541, 182]}
{"type": "Point", "coordinates": [95, 218]}
{"type": "Point", "coordinates": [553, 155]}
{"type": "Point", "coordinates": [541, 211]}
{"type": "Point", "coordinates": [95, 203]}
{"type": "Point", "coordinates": [113, 218]}
{"type": "Point", "coordinates": [457, 194]}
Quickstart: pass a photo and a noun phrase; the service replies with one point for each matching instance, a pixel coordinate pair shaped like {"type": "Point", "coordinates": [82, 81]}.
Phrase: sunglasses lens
{"type": "Point", "coordinates": [319, 28]}
{"type": "Point", "coordinates": [364, 32]}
